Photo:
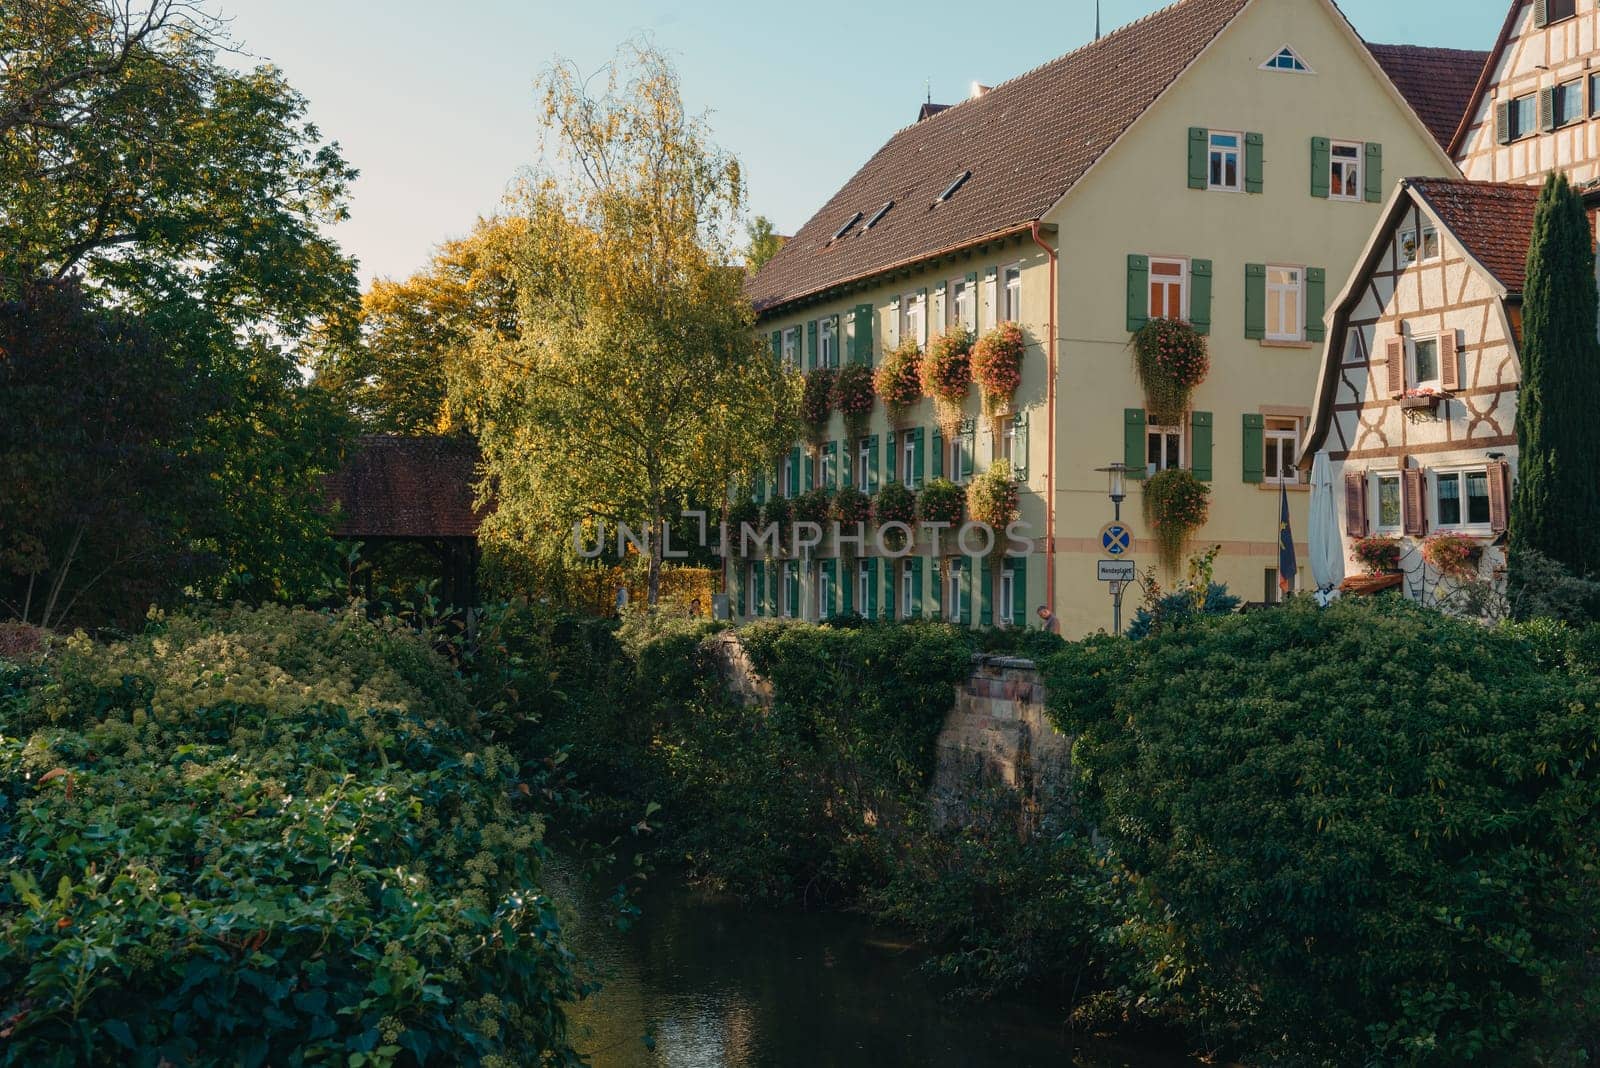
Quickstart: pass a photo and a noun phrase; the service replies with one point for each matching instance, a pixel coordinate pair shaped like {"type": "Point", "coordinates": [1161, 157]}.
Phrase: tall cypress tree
{"type": "Point", "coordinates": [1556, 507]}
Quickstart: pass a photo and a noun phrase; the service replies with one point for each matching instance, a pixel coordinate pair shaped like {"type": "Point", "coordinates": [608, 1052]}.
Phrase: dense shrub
{"type": "Point", "coordinates": [268, 836]}
{"type": "Point", "coordinates": [1366, 833]}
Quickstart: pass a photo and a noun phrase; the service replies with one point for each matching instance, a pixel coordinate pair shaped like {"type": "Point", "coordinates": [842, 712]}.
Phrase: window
{"type": "Point", "coordinates": [783, 586]}
{"type": "Point", "coordinates": [789, 476]}
{"type": "Point", "coordinates": [916, 318]}
{"type": "Point", "coordinates": [1421, 244]}
{"type": "Point", "coordinates": [1223, 170]}
{"type": "Point", "coordinates": [952, 600]}
{"type": "Point", "coordinates": [1424, 362]}
{"type": "Point", "coordinates": [1522, 117]}
{"type": "Point", "coordinates": [827, 342]}
{"type": "Point", "coordinates": [1285, 301]}
{"type": "Point", "coordinates": [1594, 94]}
{"type": "Point", "coordinates": [864, 479]}
{"type": "Point", "coordinates": [964, 304]}
{"type": "Point", "coordinates": [791, 347]}
{"type": "Point", "coordinates": [1165, 448]}
{"type": "Point", "coordinates": [1005, 442]}
{"type": "Point", "coordinates": [1280, 440]}
{"type": "Point", "coordinates": [952, 467]}
{"type": "Point", "coordinates": [1008, 595]}
{"type": "Point", "coordinates": [1344, 170]}
{"type": "Point", "coordinates": [824, 594]}
{"type": "Point", "coordinates": [1386, 488]}
{"type": "Point", "coordinates": [863, 587]}
{"type": "Point", "coordinates": [1167, 284]}
{"type": "Point", "coordinates": [950, 190]}
{"type": "Point", "coordinates": [1013, 295]}
{"type": "Point", "coordinates": [1569, 103]}
{"type": "Point", "coordinates": [877, 216]}
{"type": "Point", "coordinates": [845, 229]}
{"type": "Point", "coordinates": [910, 454]}
{"type": "Point", "coordinates": [1462, 498]}
{"type": "Point", "coordinates": [1560, 9]}
{"type": "Point", "coordinates": [905, 590]}
{"type": "Point", "coordinates": [1287, 58]}
{"type": "Point", "coordinates": [828, 462]}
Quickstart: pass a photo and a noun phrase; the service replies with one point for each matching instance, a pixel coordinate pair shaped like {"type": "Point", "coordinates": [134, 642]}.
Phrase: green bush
{"type": "Point", "coordinates": [1364, 835]}
{"type": "Point", "coordinates": [268, 837]}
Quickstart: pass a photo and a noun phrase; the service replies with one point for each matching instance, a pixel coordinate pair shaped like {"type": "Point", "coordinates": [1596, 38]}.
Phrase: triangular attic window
{"type": "Point", "coordinates": [1287, 59]}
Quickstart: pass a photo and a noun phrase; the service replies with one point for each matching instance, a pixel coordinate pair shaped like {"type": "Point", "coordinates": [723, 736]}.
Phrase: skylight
{"type": "Point", "coordinates": [845, 229]}
{"type": "Point", "coordinates": [877, 216]}
{"type": "Point", "coordinates": [1287, 59]}
{"type": "Point", "coordinates": [951, 191]}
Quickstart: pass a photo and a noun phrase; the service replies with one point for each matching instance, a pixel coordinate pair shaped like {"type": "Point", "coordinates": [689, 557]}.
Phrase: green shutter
{"type": "Point", "coordinates": [938, 454]}
{"type": "Point", "coordinates": [777, 347]}
{"type": "Point", "coordinates": [811, 345]}
{"type": "Point", "coordinates": [1541, 13]}
{"type": "Point", "coordinates": [758, 596]}
{"type": "Point", "coordinates": [915, 564]}
{"type": "Point", "coordinates": [1253, 145]}
{"type": "Point", "coordinates": [986, 594]}
{"type": "Point", "coordinates": [969, 447]}
{"type": "Point", "coordinates": [966, 591]}
{"type": "Point", "coordinates": [792, 592]}
{"type": "Point", "coordinates": [1254, 447]}
{"type": "Point", "coordinates": [936, 587]}
{"type": "Point", "coordinates": [1019, 449]}
{"type": "Point", "coordinates": [1320, 163]}
{"type": "Point", "coordinates": [871, 607]}
{"type": "Point", "coordinates": [1200, 445]}
{"type": "Point", "coordinates": [891, 461]}
{"type": "Point", "coordinates": [1374, 172]}
{"type": "Point", "coordinates": [1316, 303]}
{"type": "Point", "coordinates": [847, 465]}
{"type": "Point", "coordinates": [1133, 442]}
{"type": "Point", "coordinates": [1255, 300]}
{"type": "Point", "coordinates": [1138, 292]}
{"type": "Point", "coordinates": [794, 472]}
{"type": "Point", "coordinates": [1199, 143]}
{"type": "Point", "coordinates": [863, 346]}
{"type": "Point", "coordinates": [760, 496]}
{"type": "Point", "coordinates": [738, 584]}
{"type": "Point", "coordinates": [776, 576]}
{"type": "Point", "coordinates": [890, 592]}
{"type": "Point", "coordinates": [914, 476]}
{"type": "Point", "coordinates": [1019, 591]}
{"type": "Point", "coordinates": [1200, 295]}
{"type": "Point", "coordinates": [872, 466]}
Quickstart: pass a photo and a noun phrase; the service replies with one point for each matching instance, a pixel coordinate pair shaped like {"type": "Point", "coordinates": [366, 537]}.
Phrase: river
{"type": "Point", "coordinates": [718, 985]}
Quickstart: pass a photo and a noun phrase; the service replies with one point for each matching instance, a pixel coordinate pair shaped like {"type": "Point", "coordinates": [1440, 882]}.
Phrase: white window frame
{"type": "Point", "coordinates": [952, 585]}
{"type": "Point", "coordinates": [1336, 189]}
{"type": "Point", "coordinates": [863, 587]}
{"type": "Point", "coordinates": [964, 304]}
{"type": "Point", "coordinates": [1272, 62]}
{"type": "Point", "coordinates": [787, 609]}
{"type": "Point", "coordinates": [827, 342]}
{"type": "Point", "coordinates": [1378, 525]}
{"type": "Point", "coordinates": [952, 459]}
{"type": "Point", "coordinates": [788, 477]}
{"type": "Point", "coordinates": [915, 321]}
{"type": "Point", "coordinates": [1412, 380]}
{"type": "Point", "coordinates": [908, 453]}
{"type": "Point", "coordinates": [864, 466]}
{"type": "Point", "coordinates": [1414, 244]}
{"type": "Point", "coordinates": [1153, 429]}
{"type": "Point", "coordinates": [1285, 437]}
{"type": "Point", "coordinates": [1011, 290]}
{"type": "Point", "coordinates": [827, 463]}
{"type": "Point", "coordinates": [824, 593]}
{"type": "Point", "coordinates": [1281, 297]}
{"type": "Point", "coordinates": [791, 347]}
{"type": "Point", "coordinates": [1183, 287]}
{"type": "Point", "coordinates": [1459, 473]}
{"type": "Point", "coordinates": [1237, 152]}
{"type": "Point", "coordinates": [905, 589]}
{"type": "Point", "coordinates": [1008, 595]}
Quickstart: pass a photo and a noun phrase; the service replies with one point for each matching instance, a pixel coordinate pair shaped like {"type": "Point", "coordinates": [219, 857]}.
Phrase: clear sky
{"type": "Point", "coordinates": [433, 100]}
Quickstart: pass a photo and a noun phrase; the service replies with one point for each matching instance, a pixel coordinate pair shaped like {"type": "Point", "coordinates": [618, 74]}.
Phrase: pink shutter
{"type": "Point", "coordinates": [1416, 521]}
{"type": "Point", "coordinates": [1499, 496]}
{"type": "Point", "coordinates": [1395, 356]}
{"type": "Point", "coordinates": [1449, 365]}
{"type": "Point", "coordinates": [1355, 504]}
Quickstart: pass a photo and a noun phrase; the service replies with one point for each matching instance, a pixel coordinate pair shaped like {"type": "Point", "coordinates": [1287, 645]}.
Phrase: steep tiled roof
{"type": "Point", "coordinates": [1026, 142]}
{"type": "Point", "coordinates": [1437, 82]}
{"type": "Point", "coordinates": [1493, 220]}
{"type": "Point", "coordinates": [400, 487]}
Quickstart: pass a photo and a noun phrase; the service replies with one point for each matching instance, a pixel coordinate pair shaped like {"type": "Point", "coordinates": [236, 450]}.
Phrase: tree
{"type": "Point", "coordinates": [1556, 506]}
{"type": "Point", "coordinates": [635, 383]}
{"type": "Point", "coordinates": [764, 243]}
{"type": "Point", "coordinates": [395, 374]}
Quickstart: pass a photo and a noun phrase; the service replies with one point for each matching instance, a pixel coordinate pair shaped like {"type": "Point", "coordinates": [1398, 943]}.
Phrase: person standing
{"type": "Point", "coordinates": [1048, 621]}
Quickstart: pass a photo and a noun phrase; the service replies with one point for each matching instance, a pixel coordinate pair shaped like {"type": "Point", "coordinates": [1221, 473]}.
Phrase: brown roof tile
{"type": "Point", "coordinates": [403, 487]}
{"type": "Point", "coordinates": [1494, 220]}
{"type": "Point", "coordinates": [1026, 141]}
{"type": "Point", "coordinates": [1437, 82]}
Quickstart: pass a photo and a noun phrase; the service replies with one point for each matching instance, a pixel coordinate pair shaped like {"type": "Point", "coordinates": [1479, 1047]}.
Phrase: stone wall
{"type": "Point", "coordinates": [996, 735]}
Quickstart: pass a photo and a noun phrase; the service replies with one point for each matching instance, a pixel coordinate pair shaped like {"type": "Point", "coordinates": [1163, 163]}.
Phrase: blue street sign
{"type": "Point", "coordinates": [1116, 539]}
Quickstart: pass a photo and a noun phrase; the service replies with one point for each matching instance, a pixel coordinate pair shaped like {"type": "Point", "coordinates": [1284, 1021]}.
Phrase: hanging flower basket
{"type": "Point", "coordinates": [816, 402]}
{"type": "Point", "coordinates": [1171, 360]}
{"type": "Point", "coordinates": [1176, 504]}
{"type": "Point", "coordinates": [992, 498]}
{"type": "Point", "coordinates": [997, 365]}
{"type": "Point", "coordinates": [778, 512]}
{"type": "Point", "coordinates": [947, 376]}
{"type": "Point", "coordinates": [898, 379]}
{"type": "Point", "coordinates": [851, 506]}
{"type": "Point", "coordinates": [739, 514]}
{"type": "Point", "coordinates": [853, 396]}
{"type": "Point", "coordinates": [813, 506]}
{"type": "Point", "coordinates": [941, 501]}
{"type": "Point", "coordinates": [895, 504]}
{"type": "Point", "coordinates": [1454, 556]}
{"type": "Point", "coordinates": [1377, 554]}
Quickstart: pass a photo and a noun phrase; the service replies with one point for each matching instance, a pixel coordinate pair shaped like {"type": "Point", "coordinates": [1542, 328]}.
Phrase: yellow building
{"type": "Point", "coordinates": [1217, 162]}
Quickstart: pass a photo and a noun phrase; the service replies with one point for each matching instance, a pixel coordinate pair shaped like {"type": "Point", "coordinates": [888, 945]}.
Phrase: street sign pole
{"type": "Point", "coordinates": [1116, 607]}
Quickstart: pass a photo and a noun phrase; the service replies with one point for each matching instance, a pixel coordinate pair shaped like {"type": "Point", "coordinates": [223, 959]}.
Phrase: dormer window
{"type": "Point", "coordinates": [950, 190]}
{"type": "Point", "coordinates": [845, 229]}
{"type": "Point", "coordinates": [878, 215]}
{"type": "Point", "coordinates": [1288, 59]}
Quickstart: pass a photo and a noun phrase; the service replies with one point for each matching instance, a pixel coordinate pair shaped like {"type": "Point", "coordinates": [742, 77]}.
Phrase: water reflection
{"type": "Point", "coordinates": [720, 986]}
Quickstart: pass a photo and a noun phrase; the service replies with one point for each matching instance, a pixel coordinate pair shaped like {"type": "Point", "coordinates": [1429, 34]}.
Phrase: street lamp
{"type": "Point", "coordinates": [1117, 489]}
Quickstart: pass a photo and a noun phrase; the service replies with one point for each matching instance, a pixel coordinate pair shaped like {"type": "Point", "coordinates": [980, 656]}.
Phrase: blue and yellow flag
{"type": "Point", "coordinates": [1286, 563]}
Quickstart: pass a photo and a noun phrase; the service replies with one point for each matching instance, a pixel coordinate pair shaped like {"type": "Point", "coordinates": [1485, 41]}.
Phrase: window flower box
{"type": "Point", "coordinates": [1378, 554]}
{"type": "Point", "coordinates": [1453, 555]}
{"type": "Point", "coordinates": [1422, 404]}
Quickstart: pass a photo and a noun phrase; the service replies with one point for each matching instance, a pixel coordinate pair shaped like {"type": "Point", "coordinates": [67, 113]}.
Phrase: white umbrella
{"type": "Point", "coordinates": [1327, 549]}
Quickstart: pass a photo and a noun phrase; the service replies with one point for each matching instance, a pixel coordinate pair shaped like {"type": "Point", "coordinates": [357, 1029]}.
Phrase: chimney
{"type": "Point", "coordinates": [979, 89]}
